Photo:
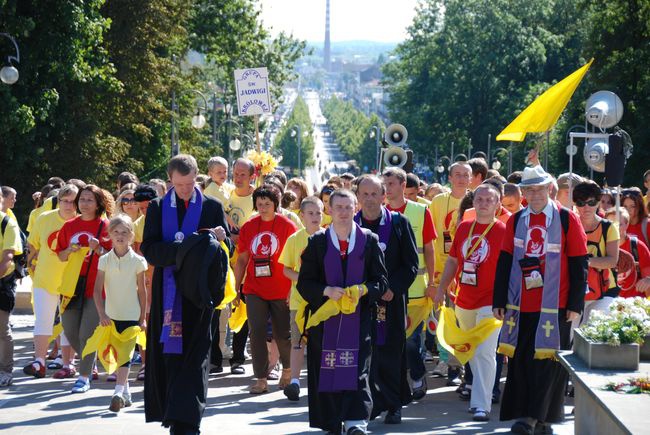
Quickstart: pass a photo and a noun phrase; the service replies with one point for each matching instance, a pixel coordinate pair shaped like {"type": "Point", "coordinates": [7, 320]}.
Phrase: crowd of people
{"type": "Point", "coordinates": [356, 273]}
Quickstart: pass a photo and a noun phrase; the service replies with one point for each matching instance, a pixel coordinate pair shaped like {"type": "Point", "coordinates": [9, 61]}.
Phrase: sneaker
{"type": "Point", "coordinates": [65, 373]}
{"type": "Point", "coordinates": [292, 391]}
{"type": "Point", "coordinates": [6, 379]}
{"type": "Point", "coordinates": [465, 394]}
{"type": "Point", "coordinates": [428, 356]}
{"type": "Point", "coordinates": [421, 390]}
{"type": "Point", "coordinates": [441, 370]}
{"type": "Point", "coordinates": [111, 378]}
{"type": "Point", "coordinates": [35, 369]}
{"type": "Point", "coordinates": [56, 364]}
{"type": "Point", "coordinates": [237, 369]}
{"type": "Point", "coordinates": [216, 369]}
{"type": "Point", "coordinates": [127, 399]}
{"type": "Point", "coordinates": [137, 358]}
{"type": "Point", "coordinates": [393, 417]}
{"type": "Point", "coordinates": [117, 403]}
{"type": "Point", "coordinates": [80, 386]}
{"type": "Point", "coordinates": [481, 415]}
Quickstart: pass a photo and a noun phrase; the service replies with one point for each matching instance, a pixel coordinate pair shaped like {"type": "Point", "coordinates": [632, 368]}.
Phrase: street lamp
{"type": "Point", "coordinates": [296, 131]}
{"type": "Point", "coordinates": [375, 132]}
{"type": "Point", "coordinates": [198, 120]}
{"type": "Point", "coordinates": [495, 163]}
{"type": "Point", "coordinates": [9, 73]}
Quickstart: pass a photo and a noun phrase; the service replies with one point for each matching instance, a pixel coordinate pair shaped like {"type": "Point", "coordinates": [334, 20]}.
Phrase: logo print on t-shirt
{"type": "Point", "coordinates": [81, 238]}
{"type": "Point", "coordinates": [535, 241]}
{"type": "Point", "coordinates": [265, 244]}
{"type": "Point", "coordinates": [237, 216]}
{"type": "Point", "coordinates": [51, 240]}
{"type": "Point", "coordinates": [480, 253]}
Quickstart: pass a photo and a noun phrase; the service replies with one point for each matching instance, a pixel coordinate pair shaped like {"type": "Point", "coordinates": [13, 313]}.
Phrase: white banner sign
{"type": "Point", "coordinates": [252, 91]}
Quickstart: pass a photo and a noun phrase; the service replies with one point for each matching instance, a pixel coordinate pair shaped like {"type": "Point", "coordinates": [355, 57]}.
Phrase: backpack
{"type": "Point", "coordinates": [635, 253]}
{"type": "Point", "coordinates": [20, 261]}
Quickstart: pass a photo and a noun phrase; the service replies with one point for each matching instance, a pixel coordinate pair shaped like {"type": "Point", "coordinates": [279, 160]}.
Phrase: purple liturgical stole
{"type": "Point", "coordinates": [340, 356]}
{"type": "Point", "coordinates": [385, 226]}
{"type": "Point", "coordinates": [172, 329]}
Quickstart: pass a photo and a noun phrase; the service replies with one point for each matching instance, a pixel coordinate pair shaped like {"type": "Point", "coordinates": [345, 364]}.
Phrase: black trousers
{"type": "Point", "coordinates": [216, 357]}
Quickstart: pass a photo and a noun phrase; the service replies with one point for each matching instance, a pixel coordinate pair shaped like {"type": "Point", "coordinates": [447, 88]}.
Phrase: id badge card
{"type": "Point", "coordinates": [446, 236]}
{"type": "Point", "coordinates": [469, 275]}
{"type": "Point", "coordinates": [532, 273]}
{"type": "Point", "coordinates": [262, 267]}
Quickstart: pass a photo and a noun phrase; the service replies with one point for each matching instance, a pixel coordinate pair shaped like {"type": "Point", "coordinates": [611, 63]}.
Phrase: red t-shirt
{"type": "Point", "coordinates": [484, 257]}
{"type": "Point", "coordinates": [428, 229]}
{"type": "Point", "coordinates": [636, 230]}
{"type": "Point", "coordinates": [574, 244]}
{"type": "Point", "coordinates": [644, 266]}
{"type": "Point", "coordinates": [265, 241]}
{"type": "Point", "coordinates": [80, 231]}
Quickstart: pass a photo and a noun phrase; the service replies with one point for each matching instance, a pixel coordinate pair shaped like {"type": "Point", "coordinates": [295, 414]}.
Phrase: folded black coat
{"type": "Point", "coordinates": [201, 270]}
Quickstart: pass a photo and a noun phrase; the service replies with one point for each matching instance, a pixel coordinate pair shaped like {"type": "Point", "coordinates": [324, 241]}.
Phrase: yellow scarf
{"type": "Point", "coordinates": [113, 348]}
{"type": "Point", "coordinates": [346, 305]}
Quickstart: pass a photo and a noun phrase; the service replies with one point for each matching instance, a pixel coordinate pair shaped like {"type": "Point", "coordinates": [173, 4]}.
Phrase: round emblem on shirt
{"type": "Point", "coordinates": [382, 246]}
{"type": "Point", "coordinates": [179, 236]}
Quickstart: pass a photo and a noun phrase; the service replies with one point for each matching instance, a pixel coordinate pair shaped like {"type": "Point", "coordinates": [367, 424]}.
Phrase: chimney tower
{"type": "Point", "coordinates": [327, 59]}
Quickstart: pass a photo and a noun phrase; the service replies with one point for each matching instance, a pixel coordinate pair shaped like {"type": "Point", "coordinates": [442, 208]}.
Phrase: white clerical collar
{"type": "Point", "coordinates": [351, 237]}
{"type": "Point", "coordinates": [172, 201]}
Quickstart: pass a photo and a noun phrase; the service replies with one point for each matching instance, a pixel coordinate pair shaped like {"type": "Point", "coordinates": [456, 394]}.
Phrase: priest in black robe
{"type": "Point", "coordinates": [388, 381]}
{"type": "Point", "coordinates": [179, 334]}
{"type": "Point", "coordinates": [341, 264]}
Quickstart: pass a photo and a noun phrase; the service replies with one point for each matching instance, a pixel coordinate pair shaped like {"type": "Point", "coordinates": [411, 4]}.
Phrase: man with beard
{"type": "Point", "coordinates": [388, 383]}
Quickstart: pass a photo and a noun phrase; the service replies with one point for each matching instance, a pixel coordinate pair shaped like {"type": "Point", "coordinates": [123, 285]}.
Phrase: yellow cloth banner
{"type": "Point", "coordinates": [463, 344]}
{"type": "Point", "coordinates": [238, 317]}
{"type": "Point", "coordinates": [542, 114]}
{"type": "Point", "coordinates": [114, 349]}
{"type": "Point", "coordinates": [346, 305]}
{"type": "Point", "coordinates": [418, 310]}
{"type": "Point", "coordinates": [229, 292]}
{"type": "Point", "coordinates": [72, 271]}
{"type": "Point", "coordinates": [56, 331]}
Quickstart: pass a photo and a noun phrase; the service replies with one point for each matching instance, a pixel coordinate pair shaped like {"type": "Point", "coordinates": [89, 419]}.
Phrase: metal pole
{"type": "Point", "coordinates": [489, 144]}
{"type": "Point", "coordinates": [548, 140]}
{"type": "Point", "coordinates": [299, 149]}
{"type": "Point", "coordinates": [378, 139]}
{"type": "Point", "coordinates": [510, 159]}
{"type": "Point", "coordinates": [469, 151]}
{"type": "Point", "coordinates": [174, 147]}
{"type": "Point", "coordinates": [214, 121]}
{"type": "Point", "coordinates": [452, 151]}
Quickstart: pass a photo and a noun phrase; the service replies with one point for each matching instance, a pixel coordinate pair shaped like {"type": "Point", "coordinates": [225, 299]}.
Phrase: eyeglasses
{"type": "Point", "coordinates": [127, 200]}
{"type": "Point", "coordinates": [590, 203]}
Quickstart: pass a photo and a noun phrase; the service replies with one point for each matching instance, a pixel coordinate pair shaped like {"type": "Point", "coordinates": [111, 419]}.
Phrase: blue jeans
{"type": "Point", "coordinates": [415, 354]}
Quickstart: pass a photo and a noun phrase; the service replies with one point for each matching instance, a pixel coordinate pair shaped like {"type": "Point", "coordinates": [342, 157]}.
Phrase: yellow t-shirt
{"type": "Point", "coordinates": [290, 257]}
{"type": "Point", "coordinates": [222, 193]}
{"type": "Point", "coordinates": [423, 201]}
{"type": "Point", "coordinates": [240, 208]}
{"type": "Point", "coordinates": [444, 211]}
{"type": "Point", "coordinates": [138, 228]}
{"type": "Point", "coordinates": [121, 285]}
{"type": "Point", "coordinates": [47, 206]}
{"type": "Point", "coordinates": [10, 241]}
{"type": "Point", "coordinates": [327, 220]}
{"type": "Point", "coordinates": [49, 270]}
{"type": "Point", "coordinates": [612, 235]}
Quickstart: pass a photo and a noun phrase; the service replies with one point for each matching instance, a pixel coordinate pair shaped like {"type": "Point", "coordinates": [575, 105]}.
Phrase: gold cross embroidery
{"type": "Point", "coordinates": [511, 323]}
{"type": "Point", "coordinates": [548, 327]}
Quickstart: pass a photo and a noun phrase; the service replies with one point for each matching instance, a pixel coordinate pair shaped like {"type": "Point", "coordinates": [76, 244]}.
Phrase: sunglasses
{"type": "Point", "coordinates": [590, 203]}
{"type": "Point", "coordinates": [127, 200]}
{"type": "Point", "coordinates": [630, 192]}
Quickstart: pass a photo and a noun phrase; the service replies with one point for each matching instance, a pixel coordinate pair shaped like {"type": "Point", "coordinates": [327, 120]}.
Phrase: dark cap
{"type": "Point", "coordinates": [145, 192]}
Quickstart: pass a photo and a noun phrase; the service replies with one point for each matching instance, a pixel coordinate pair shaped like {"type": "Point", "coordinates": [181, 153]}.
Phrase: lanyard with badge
{"type": "Point", "coordinates": [446, 234]}
{"type": "Point", "coordinates": [263, 264]}
{"type": "Point", "coordinates": [469, 275]}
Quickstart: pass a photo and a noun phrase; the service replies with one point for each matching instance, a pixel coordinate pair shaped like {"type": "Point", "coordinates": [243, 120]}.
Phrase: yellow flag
{"type": "Point", "coordinates": [229, 292]}
{"type": "Point", "coordinates": [543, 113]}
{"type": "Point", "coordinates": [238, 317]}
{"type": "Point", "coordinates": [72, 271]}
{"type": "Point", "coordinates": [113, 348]}
{"type": "Point", "coordinates": [463, 344]}
{"type": "Point", "coordinates": [346, 305]}
{"type": "Point", "coordinates": [418, 311]}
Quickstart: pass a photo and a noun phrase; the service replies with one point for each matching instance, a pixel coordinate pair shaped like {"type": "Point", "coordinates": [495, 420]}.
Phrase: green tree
{"type": "Point", "coordinates": [286, 145]}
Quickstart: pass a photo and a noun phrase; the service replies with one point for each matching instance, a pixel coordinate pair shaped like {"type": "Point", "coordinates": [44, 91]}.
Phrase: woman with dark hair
{"type": "Point", "coordinates": [85, 235]}
{"type": "Point", "coordinates": [266, 288]}
{"type": "Point", "coordinates": [602, 247]}
{"type": "Point", "coordinates": [632, 200]}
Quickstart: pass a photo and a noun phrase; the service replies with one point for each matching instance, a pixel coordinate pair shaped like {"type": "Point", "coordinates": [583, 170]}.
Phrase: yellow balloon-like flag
{"type": "Point", "coordinates": [72, 271]}
{"type": "Point", "coordinates": [463, 344]}
{"type": "Point", "coordinates": [238, 317]}
{"type": "Point", "coordinates": [113, 348]}
{"type": "Point", "coordinates": [418, 310]}
{"type": "Point", "coordinates": [543, 113]}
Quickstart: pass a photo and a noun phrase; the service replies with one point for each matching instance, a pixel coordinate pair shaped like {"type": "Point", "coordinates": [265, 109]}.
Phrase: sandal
{"type": "Point", "coordinates": [65, 373]}
{"type": "Point", "coordinates": [57, 364]}
{"type": "Point", "coordinates": [261, 386]}
{"type": "Point", "coordinates": [111, 378]}
{"type": "Point", "coordinates": [481, 415]}
{"type": "Point", "coordinates": [140, 376]}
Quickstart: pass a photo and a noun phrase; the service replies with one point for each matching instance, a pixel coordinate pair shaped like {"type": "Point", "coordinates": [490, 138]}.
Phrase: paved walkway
{"type": "Point", "coordinates": [46, 406]}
